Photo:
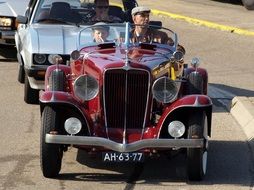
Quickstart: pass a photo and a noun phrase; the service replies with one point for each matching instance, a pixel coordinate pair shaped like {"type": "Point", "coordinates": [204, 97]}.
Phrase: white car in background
{"type": "Point", "coordinates": [50, 29]}
{"type": "Point", "coordinates": [9, 9]}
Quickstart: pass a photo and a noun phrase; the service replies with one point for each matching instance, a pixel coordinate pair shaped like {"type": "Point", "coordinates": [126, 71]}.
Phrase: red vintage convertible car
{"type": "Point", "coordinates": [125, 100]}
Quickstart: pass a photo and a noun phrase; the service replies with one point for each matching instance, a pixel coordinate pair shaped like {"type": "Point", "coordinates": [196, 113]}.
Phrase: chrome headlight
{"type": "Point", "coordinates": [176, 129]}
{"type": "Point", "coordinates": [55, 59]}
{"type": "Point", "coordinates": [40, 58]}
{"type": "Point", "coordinates": [72, 126]}
{"type": "Point", "coordinates": [5, 21]}
{"type": "Point", "coordinates": [86, 87]}
{"type": "Point", "coordinates": [165, 90]}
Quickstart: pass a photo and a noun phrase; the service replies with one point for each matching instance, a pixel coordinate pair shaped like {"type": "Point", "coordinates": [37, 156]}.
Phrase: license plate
{"type": "Point", "coordinates": [123, 157]}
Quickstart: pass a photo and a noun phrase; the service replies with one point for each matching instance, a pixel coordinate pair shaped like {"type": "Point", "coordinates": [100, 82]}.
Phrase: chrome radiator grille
{"type": "Point", "coordinates": [125, 96]}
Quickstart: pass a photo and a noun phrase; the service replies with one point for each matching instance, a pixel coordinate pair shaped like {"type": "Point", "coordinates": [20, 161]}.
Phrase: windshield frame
{"type": "Point", "coordinates": [126, 44]}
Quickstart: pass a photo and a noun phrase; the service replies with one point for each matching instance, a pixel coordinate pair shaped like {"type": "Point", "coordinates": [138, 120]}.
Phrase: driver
{"type": "Point", "coordinates": [142, 33]}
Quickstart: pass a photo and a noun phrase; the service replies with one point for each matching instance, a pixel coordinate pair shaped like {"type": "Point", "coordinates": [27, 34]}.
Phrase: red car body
{"type": "Point", "coordinates": [124, 116]}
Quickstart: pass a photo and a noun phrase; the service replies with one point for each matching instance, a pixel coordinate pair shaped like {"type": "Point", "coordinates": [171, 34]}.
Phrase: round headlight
{"type": "Point", "coordinates": [72, 126]}
{"type": "Point", "coordinates": [176, 129]}
{"type": "Point", "coordinates": [86, 87]}
{"type": "Point", "coordinates": [165, 90]}
{"type": "Point", "coordinates": [40, 58]}
{"type": "Point", "coordinates": [55, 59]}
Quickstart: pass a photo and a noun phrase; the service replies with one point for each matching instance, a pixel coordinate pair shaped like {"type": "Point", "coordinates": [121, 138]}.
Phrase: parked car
{"type": "Point", "coordinates": [50, 27]}
{"type": "Point", "coordinates": [125, 101]}
{"type": "Point", "coordinates": [9, 9]}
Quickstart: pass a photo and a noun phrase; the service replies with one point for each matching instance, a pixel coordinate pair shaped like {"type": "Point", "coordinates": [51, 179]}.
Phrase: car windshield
{"type": "Point", "coordinates": [72, 11]}
{"type": "Point", "coordinates": [124, 34]}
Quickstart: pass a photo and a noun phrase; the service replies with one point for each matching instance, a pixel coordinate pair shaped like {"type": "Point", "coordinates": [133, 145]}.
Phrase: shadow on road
{"type": "Point", "coordinates": [228, 163]}
{"type": "Point", "coordinates": [222, 96]}
{"type": "Point", "coordinates": [234, 90]}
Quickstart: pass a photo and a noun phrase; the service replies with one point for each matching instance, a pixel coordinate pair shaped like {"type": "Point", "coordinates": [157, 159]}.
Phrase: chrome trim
{"type": "Point", "coordinates": [125, 108]}
{"type": "Point", "coordinates": [135, 146]}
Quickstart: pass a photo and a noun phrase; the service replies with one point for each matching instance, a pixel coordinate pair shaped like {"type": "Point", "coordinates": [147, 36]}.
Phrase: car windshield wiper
{"type": "Point", "coordinates": [58, 20]}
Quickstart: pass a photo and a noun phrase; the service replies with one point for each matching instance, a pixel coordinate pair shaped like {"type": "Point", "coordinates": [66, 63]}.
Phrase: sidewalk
{"type": "Point", "coordinates": [242, 108]}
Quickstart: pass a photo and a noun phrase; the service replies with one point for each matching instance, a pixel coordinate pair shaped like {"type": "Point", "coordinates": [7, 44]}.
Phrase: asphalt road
{"type": "Point", "coordinates": [229, 59]}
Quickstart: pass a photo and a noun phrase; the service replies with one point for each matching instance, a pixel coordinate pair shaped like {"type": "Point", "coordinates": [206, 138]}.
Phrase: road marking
{"type": "Point", "coordinates": [199, 22]}
{"type": "Point", "coordinates": [203, 23]}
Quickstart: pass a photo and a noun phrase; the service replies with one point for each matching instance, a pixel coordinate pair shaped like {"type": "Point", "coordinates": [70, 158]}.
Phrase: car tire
{"type": "Point", "coordinates": [197, 157]}
{"type": "Point", "coordinates": [21, 74]}
{"type": "Point", "coordinates": [248, 4]}
{"type": "Point", "coordinates": [50, 154]}
{"type": "Point", "coordinates": [31, 96]}
{"type": "Point", "coordinates": [195, 83]}
{"type": "Point", "coordinates": [57, 81]}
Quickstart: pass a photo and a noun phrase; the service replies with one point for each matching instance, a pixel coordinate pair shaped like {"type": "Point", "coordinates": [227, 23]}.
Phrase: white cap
{"type": "Point", "coordinates": [140, 9]}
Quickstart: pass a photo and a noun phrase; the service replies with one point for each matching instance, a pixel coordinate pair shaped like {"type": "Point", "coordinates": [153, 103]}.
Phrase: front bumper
{"type": "Point", "coordinates": [36, 76]}
{"type": "Point", "coordinates": [135, 146]}
{"type": "Point", "coordinates": [37, 72]}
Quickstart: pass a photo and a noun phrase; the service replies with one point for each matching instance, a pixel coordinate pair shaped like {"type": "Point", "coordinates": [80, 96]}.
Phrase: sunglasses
{"type": "Point", "coordinates": [102, 7]}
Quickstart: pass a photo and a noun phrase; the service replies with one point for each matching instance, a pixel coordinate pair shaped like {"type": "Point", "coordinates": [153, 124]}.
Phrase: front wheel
{"type": "Point", "coordinates": [197, 157]}
{"type": "Point", "coordinates": [50, 154]}
{"type": "Point", "coordinates": [57, 81]}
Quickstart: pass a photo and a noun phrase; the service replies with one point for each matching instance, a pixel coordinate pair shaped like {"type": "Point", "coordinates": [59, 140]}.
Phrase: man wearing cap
{"type": "Point", "coordinates": [141, 32]}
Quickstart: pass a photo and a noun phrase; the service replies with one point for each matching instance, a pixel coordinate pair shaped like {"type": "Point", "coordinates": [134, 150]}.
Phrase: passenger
{"type": "Point", "coordinates": [142, 33]}
{"type": "Point", "coordinates": [100, 32]}
{"type": "Point", "coordinates": [101, 9]}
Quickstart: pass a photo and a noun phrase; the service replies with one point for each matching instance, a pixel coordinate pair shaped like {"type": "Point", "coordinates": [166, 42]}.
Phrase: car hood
{"type": "Point", "coordinates": [49, 39]}
{"type": "Point", "coordinates": [13, 7]}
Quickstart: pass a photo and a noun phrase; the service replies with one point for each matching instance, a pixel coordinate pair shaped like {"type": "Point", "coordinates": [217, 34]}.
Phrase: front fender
{"type": "Point", "coordinates": [187, 105]}
{"type": "Point", "coordinates": [60, 100]}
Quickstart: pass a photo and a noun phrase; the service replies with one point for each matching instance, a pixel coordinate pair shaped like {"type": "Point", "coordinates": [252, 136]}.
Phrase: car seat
{"type": "Point", "coordinates": [63, 11]}
{"type": "Point", "coordinates": [116, 11]}
{"type": "Point", "coordinates": [60, 10]}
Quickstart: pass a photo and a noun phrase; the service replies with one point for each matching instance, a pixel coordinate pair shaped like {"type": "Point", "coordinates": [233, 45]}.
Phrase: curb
{"type": "Point", "coordinates": [242, 108]}
{"type": "Point", "coordinates": [203, 23]}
